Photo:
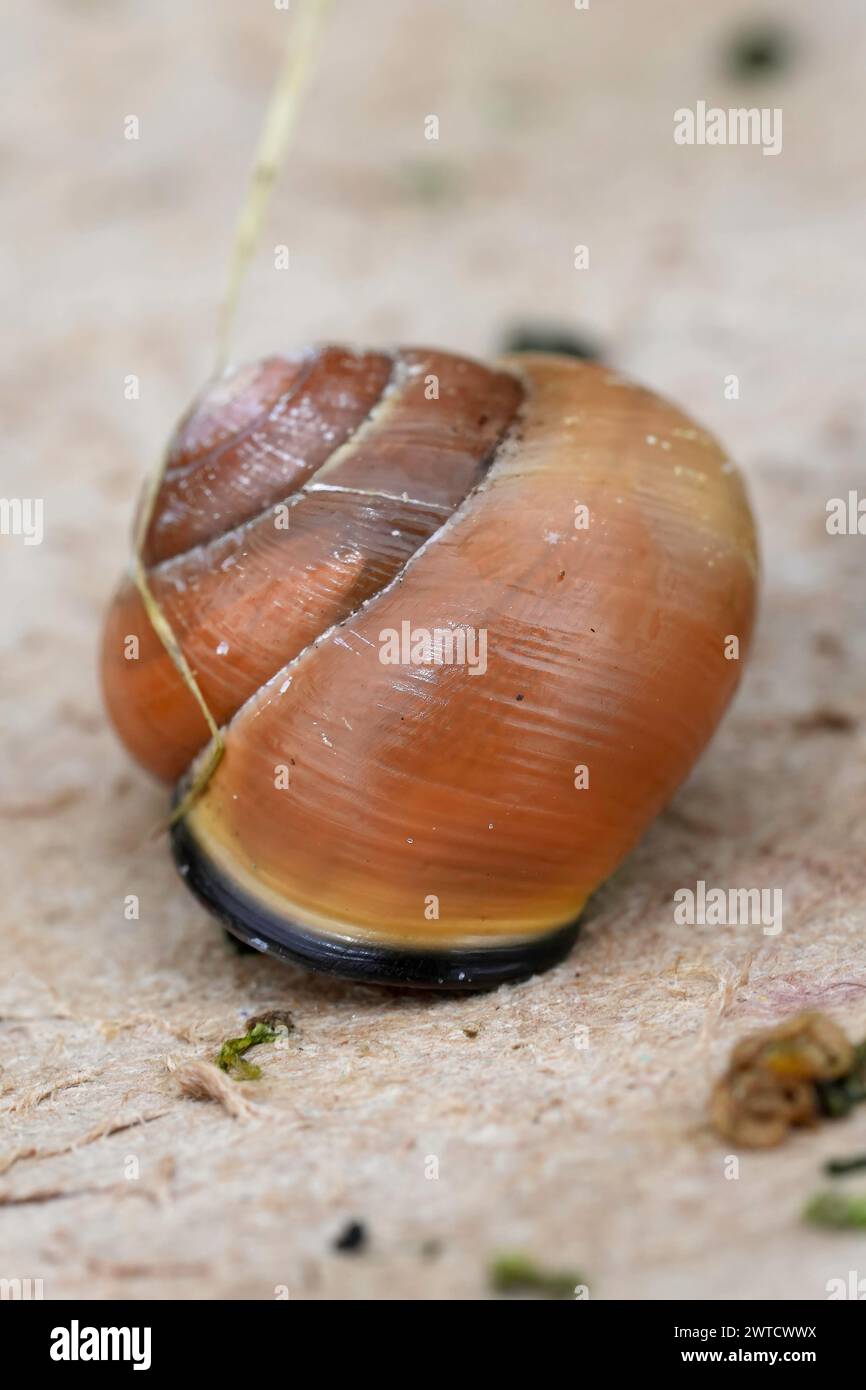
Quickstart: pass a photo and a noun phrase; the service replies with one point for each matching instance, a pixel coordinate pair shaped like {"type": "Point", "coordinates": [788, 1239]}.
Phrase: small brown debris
{"type": "Point", "coordinates": [753, 1109]}
{"type": "Point", "coordinates": [272, 1018]}
{"type": "Point", "coordinates": [808, 1047]}
{"type": "Point", "coordinates": [200, 1080]}
{"type": "Point", "coordinates": [773, 1078]}
{"type": "Point", "coordinates": [828, 644]}
{"type": "Point", "coordinates": [826, 719]}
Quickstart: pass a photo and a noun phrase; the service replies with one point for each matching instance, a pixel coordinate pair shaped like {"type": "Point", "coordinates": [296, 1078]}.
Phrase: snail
{"type": "Point", "coordinates": [465, 628]}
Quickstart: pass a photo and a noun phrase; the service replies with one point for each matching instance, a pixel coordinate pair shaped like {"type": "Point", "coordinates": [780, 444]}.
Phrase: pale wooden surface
{"type": "Point", "coordinates": [555, 129]}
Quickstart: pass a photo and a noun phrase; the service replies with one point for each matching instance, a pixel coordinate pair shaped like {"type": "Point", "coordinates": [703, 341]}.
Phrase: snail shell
{"type": "Point", "coordinates": [467, 629]}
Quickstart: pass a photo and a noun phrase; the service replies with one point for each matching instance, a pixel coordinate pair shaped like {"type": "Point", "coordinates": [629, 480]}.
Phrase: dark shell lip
{"type": "Point", "coordinates": [475, 968]}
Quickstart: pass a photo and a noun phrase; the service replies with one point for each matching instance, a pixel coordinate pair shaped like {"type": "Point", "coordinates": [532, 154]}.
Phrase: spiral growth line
{"type": "Point", "coordinates": [277, 128]}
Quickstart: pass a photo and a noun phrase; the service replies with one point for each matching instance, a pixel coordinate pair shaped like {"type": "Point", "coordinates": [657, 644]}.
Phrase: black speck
{"type": "Point", "coordinates": [539, 337]}
{"type": "Point", "coordinates": [352, 1239]}
{"type": "Point", "coordinates": [758, 50]}
{"type": "Point", "coordinates": [518, 697]}
{"type": "Point", "coordinates": [592, 629]}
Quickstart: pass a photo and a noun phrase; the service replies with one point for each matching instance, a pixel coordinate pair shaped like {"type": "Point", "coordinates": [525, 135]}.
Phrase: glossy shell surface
{"type": "Point", "coordinates": [467, 629]}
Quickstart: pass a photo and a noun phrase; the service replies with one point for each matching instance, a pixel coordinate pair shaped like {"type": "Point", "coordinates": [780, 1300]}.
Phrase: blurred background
{"type": "Point", "coordinates": [555, 130]}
